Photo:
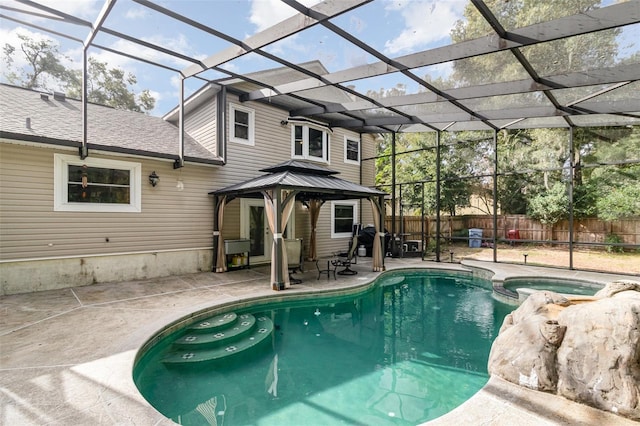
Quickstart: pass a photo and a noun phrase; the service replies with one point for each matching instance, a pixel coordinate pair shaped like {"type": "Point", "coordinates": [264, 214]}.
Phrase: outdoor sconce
{"type": "Point", "coordinates": [154, 178]}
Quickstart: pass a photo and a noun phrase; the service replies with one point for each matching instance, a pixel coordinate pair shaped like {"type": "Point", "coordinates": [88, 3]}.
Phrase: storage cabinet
{"type": "Point", "coordinates": [237, 252]}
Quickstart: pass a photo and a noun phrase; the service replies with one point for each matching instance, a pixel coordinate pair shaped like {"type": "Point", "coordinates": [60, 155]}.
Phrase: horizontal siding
{"type": "Point", "coordinates": [170, 219]}
{"type": "Point", "coordinates": [29, 228]}
{"type": "Point", "coordinates": [201, 125]}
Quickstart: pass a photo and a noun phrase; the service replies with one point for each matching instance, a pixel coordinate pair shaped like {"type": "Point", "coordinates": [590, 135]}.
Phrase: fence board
{"type": "Point", "coordinates": [588, 230]}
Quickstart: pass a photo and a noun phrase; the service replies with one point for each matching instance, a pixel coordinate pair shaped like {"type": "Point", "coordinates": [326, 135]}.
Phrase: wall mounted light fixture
{"type": "Point", "coordinates": [154, 178]}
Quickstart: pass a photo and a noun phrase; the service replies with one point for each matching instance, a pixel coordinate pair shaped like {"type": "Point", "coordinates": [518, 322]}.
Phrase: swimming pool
{"type": "Point", "coordinates": [405, 351]}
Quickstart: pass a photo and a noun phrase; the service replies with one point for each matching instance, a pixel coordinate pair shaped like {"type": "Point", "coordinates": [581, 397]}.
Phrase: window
{"type": "Point", "coordinates": [242, 129]}
{"type": "Point", "coordinates": [351, 150]}
{"type": "Point", "coordinates": [343, 216]}
{"type": "Point", "coordinates": [96, 185]}
{"type": "Point", "coordinates": [310, 143]}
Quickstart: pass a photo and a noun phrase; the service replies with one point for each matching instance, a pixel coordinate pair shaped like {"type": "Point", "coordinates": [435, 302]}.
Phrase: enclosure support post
{"type": "Point", "coordinates": [438, 196]}
{"type": "Point", "coordinates": [570, 194]}
{"type": "Point", "coordinates": [495, 195]}
{"type": "Point", "coordinates": [401, 240]}
{"type": "Point", "coordinates": [422, 244]}
{"type": "Point", "coordinates": [393, 192]}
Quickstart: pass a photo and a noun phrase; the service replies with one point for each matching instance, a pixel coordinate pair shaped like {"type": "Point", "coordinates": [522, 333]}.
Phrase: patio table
{"type": "Point", "coordinates": [328, 270]}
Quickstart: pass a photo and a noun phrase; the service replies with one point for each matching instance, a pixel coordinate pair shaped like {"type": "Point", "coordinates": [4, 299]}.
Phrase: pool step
{"type": "Point", "coordinates": [214, 323]}
{"type": "Point", "coordinates": [238, 337]}
{"type": "Point", "coordinates": [218, 336]}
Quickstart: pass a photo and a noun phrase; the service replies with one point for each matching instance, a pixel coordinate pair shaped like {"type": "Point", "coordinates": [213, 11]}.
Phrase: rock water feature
{"type": "Point", "coordinates": [585, 349]}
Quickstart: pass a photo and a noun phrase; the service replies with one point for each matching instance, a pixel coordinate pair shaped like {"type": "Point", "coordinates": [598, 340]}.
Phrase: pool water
{"type": "Point", "coordinates": [555, 286]}
{"type": "Point", "coordinates": [409, 350]}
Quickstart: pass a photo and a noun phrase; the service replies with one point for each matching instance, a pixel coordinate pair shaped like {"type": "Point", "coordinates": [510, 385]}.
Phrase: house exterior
{"type": "Point", "coordinates": [67, 221]}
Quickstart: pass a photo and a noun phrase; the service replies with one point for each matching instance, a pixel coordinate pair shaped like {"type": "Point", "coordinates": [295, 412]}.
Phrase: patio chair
{"type": "Point", "coordinates": [295, 260]}
{"type": "Point", "coordinates": [346, 259]}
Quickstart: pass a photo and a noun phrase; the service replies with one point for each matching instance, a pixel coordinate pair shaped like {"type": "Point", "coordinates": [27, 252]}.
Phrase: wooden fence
{"type": "Point", "coordinates": [590, 230]}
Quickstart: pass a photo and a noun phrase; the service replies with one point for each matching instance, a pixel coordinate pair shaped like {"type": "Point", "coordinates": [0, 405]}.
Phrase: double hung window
{"type": "Point", "coordinates": [351, 150]}
{"type": "Point", "coordinates": [242, 124]}
{"type": "Point", "coordinates": [344, 215]}
{"type": "Point", "coordinates": [310, 143]}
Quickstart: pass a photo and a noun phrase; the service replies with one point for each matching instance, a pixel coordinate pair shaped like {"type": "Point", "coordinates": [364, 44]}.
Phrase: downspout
{"type": "Point", "coordinates": [180, 161]}
{"type": "Point", "coordinates": [495, 195]}
{"type": "Point", "coordinates": [221, 125]}
{"type": "Point", "coordinates": [84, 149]}
{"type": "Point", "coordinates": [438, 196]}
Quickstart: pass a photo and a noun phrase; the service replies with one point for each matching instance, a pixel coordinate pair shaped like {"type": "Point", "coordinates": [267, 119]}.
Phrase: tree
{"type": "Point", "coordinates": [44, 67]}
{"type": "Point", "coordinates": [615, 184]}
{"type": "Point", "coordinates": [109, 86]}
{"type": "Point", "coordinates": [551, 205]}
{"type": "Point", "coordinates": [106, 86]}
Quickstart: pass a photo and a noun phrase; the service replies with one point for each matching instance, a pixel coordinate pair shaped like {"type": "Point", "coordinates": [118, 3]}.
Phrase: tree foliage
{"type": "Point", "coordinates": [534, 165]}
{"type": "Point", "coordinates": [44, 70]}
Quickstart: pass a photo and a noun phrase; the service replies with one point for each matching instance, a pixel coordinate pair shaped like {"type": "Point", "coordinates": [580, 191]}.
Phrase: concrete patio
{"type": "Point", "coordinates": [67, 355]}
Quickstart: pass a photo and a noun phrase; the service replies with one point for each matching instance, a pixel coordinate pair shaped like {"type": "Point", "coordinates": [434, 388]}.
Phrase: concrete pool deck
{"type": "Point", "coordinates": [66, 356]}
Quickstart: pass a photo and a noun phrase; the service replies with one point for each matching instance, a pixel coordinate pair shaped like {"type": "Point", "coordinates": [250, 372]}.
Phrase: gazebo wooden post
{"type": "Point", "coordinates": [216, 233]}
{"type": "Point", "coordinates": [278, 245]}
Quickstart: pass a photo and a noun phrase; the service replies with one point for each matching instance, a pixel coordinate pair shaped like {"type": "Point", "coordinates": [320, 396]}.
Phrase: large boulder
{"type": "Point", "coordinates": [525, 350]}
{"type": "Point", "coordinates": [599, 359]}
{"type": "Point", "coordinates": [584, 349]}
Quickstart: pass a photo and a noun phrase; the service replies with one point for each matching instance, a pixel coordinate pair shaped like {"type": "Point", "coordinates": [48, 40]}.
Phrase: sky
{"type": "Point", "coordinates": [394, 27]}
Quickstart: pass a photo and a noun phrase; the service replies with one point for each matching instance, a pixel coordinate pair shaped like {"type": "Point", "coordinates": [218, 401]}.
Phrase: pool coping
{"type": "Point", "coordinates": [72, 340]}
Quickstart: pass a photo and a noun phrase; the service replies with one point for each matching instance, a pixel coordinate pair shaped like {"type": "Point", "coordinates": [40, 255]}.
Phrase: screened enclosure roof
{"type": "Point", "coordinates": [492, 66]}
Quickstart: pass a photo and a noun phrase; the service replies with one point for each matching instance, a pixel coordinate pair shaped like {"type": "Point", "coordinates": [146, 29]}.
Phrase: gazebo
{"type": "Point", "coordinates": [281, 186]}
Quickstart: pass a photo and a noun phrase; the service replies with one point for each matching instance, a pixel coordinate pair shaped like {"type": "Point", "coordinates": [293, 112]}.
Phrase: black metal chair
{"type": "Point", "coordinates": [346, 259]}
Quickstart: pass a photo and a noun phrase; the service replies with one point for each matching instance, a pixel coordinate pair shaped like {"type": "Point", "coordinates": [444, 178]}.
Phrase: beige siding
{"type": "Point", "coordinates": [273, 146]}
{"type": "Point", "coordinates": [201, 125]}
{"type": "Point", "coordinates": [170, 219]}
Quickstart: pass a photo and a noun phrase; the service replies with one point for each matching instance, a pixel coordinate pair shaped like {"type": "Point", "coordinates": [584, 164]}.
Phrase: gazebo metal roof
{"type": "Point", "coordinates": [309, 180]}
{"type": "Point", "coordinates": [541, 95]}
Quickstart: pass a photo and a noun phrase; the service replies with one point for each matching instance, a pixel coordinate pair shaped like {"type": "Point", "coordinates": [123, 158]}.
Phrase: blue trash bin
{"type": "Point", "coordinates": [475, 238]}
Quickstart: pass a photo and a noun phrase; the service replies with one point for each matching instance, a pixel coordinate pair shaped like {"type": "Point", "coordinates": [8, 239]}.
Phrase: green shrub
{"type": "Point", "coordinates": [614, 239]}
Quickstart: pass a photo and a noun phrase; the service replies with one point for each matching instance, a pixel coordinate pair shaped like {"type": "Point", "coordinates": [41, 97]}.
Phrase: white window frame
{"type": "Point", "coordinates": [326, 139]}
{"type": "Point", "coordinates": [354, 204]}
{"type": "Point", "coordinates": [357, 140]}
{"type": "Point", "coordinates": [232, 125]}
{"type": "Point", "coordinates": [61, 163]}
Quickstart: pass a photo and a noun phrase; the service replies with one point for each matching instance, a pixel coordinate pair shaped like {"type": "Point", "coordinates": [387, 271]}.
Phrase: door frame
{"type": "Point", "coordinates": [245, 205]}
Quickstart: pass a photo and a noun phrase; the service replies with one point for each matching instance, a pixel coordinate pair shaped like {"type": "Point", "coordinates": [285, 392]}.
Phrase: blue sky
{"type": "Point", "coordinates": [394, 27]}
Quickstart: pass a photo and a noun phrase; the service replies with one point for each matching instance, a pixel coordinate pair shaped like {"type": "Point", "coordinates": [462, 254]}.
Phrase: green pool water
{"type": "Point", "coordinates": [577, 288]}
{"type": "Point", "coordinates": [409, 350]}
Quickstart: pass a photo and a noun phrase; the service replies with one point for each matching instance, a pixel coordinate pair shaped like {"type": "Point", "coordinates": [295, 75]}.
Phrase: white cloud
{"type": "Point", "coordinates": [265, 13]}
{"type": "Point", "coordinates": [425, 22]}
{"type": "Point", "coordinates": [135, 13]}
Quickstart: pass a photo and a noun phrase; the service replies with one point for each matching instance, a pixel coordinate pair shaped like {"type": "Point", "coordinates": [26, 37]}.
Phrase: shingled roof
{"type": "Point", "coordinates": [34, 116]}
